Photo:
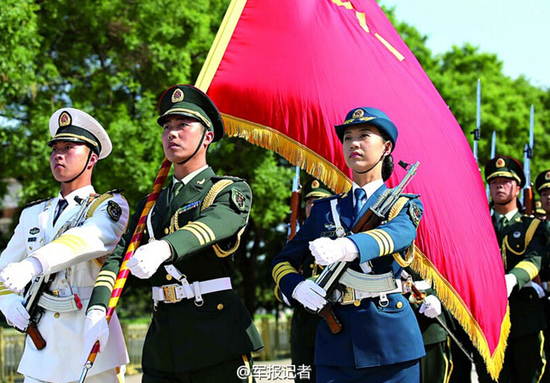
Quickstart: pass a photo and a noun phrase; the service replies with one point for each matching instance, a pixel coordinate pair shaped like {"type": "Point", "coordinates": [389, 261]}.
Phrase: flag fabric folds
{"type": "Point", "coordinates": [284, 72]}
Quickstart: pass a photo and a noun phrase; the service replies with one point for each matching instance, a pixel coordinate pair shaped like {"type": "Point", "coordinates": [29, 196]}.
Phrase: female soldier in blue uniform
{"type": "Point", "coordinates": [380, 340]}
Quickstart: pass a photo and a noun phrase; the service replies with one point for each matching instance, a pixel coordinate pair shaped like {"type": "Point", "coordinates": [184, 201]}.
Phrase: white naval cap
{"type": "Point", "coordinates": [70, 124]}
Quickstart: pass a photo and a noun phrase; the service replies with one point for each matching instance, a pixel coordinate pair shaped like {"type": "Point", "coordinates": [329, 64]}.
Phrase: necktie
{"type": "Point", "coordinates": [360, 197]}
{"type": "Point", "coordinates": [502, 223]}
{"type": "Point", "coordinates": [61, 205]}
{"type": "Point", "coordinates": [176, 188]}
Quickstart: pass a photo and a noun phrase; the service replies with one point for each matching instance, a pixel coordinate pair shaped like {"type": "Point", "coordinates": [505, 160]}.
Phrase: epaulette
{"type": "Point", "coordinates": [232, 178]}
{"type": "Point", "coordinates": [328, 198]}
{"type": "Point", "coordinates": [409, 195]}
{"type": "Point", "coordinates": [114, 191]}
{"type": "Point", "coordinates": [37, 202]}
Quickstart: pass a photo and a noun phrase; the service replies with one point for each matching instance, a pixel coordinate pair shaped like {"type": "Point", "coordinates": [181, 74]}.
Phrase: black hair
{"type": "Point", "coordinates": [387, 164]}
{"type": "Point", "coordinates": [387, 167]}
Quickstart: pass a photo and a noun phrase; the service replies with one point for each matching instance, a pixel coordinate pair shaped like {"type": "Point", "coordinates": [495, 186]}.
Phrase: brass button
{"type": "Point", "coordinates": [57, 315]}
{"type": "Point", "coordinates": [399, 305]}
{"type": "Point", "coordinates": [169, 277]}
{"type": "Point", "coordinates": [311, 266]}
{"type": "Point", "coordinates": [166, 231]}
{"type": "Point", "coordinates": [220, 306]}
{"type": "Point", "coordinates": [357, 303]}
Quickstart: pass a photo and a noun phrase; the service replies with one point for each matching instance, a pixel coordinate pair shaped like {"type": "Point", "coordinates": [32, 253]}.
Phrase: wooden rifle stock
{"type": "Point", "coordinates": [332, 322]}
{"type": "Point", "coordinates": [294, 213]}
{"type": "Point", "coordinates": [35, 335]}
{"type": "Point", "coordinates": [528, 200]}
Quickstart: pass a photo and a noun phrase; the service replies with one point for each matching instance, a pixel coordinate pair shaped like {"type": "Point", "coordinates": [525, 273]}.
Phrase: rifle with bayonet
{"type": "Point", "coordinates": [39, 284]}
{"type": "Point", "coordinates": [528, 198]}
{"type": "Point", "coordinates": [330, 277]}
{"type": "Point", "coordinates": [294, 224]}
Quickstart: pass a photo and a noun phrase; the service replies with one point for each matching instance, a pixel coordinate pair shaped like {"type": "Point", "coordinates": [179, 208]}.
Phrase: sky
{"type": "Point", "coordinates": [518, 32]}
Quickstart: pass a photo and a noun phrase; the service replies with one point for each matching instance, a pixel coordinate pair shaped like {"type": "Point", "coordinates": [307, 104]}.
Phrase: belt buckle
{"type": "Point", "coordinates": [349, 296]}
{"type": "Point", "coordinates": [170, 294]}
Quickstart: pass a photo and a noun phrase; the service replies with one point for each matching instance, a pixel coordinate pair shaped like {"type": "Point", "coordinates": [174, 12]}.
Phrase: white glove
{"type": "Point", "coordinates": [12, 306]}
{"type": "Point", "coordinates": [310, 295]}
{"type": "Point", "coordinates": [431, 306]}
{"type": "Point", "coordinates": [538, 288]}
{"type": "Point", "coordinates": [148, 258]}
{"type": "Point", "coordinates": [511, 282]}
{"type": "Point", "coordinates": [96, 329]}
{"type": "Point", "coordinates": [15, 276]}
{"type": "Point", "coordinates": [327, 251]}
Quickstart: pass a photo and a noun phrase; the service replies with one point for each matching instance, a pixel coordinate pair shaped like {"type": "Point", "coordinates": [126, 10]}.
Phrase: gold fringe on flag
{"type": "Point", "coordinates": [454, 303]}
{"type": "Point", "coordinates": [293, 151]}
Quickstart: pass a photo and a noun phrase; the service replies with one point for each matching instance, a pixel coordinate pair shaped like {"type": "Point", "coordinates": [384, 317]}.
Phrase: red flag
{"type": "Point", "coordinates": [283, 72]}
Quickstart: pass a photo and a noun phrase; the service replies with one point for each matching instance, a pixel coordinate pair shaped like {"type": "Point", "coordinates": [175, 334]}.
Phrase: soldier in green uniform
{"type": "Point", "coordinates": [437, 365]}
{"type": "Point", "coordinates": [542, 209]}
{"type": "Point", "coordinates": [201, 332]}
{"type": "Point", "coordinates": [522, 240]}
{"type": "Point", "coordinates": [304, 324]}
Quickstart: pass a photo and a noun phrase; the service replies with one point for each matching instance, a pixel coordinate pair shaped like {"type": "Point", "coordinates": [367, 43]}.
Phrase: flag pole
{"type": "Point", "coordinates": [132, 247]}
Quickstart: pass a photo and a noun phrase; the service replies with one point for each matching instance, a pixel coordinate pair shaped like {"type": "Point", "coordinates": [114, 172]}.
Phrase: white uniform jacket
{"type": "Point", "coordinates": [73, 257]}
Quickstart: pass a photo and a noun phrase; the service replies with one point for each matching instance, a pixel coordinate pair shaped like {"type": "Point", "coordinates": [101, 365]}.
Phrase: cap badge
{"type": "Point", "coordinates": [65, 119]}
{"type": "Point", "coordinates": [315, 184]}
{"type": "Point", "coordinates": [358, 113]}
{"type": "Point", "coordinates": [177, 96]}
{"type": "Point", "coordinates": [500, 163]}
{"type": "Point", "coordinates": [547, 176]}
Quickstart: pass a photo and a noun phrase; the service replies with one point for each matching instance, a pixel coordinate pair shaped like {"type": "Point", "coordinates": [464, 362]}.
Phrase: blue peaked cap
{"type": "Point", "coordinates": [370, 116]}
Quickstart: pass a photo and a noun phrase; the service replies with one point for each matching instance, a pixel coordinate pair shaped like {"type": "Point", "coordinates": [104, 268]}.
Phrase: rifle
{"type": "Point", "coordinates": [477, 131]}
{"type": "Point", "coordinates": [330, 277]}
{"type": "Point", "coordinates": [294, 205]}
{"type": "Point", "coordinates": [528, 199]}
{"type": "Point", "coordinates": [40, 283]}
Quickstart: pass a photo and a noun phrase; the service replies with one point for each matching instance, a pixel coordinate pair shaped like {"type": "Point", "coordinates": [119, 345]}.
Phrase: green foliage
{"type": "Point", "coordinates": [112, 58]}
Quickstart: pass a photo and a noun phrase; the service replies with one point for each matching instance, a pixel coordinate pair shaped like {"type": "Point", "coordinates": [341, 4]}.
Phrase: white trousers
{"type": "Point", "coordinates": [109, 376]}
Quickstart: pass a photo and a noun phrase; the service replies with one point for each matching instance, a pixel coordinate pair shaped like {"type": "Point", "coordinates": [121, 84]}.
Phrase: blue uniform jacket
{"type": "Point", "coordinates": [371, 335]}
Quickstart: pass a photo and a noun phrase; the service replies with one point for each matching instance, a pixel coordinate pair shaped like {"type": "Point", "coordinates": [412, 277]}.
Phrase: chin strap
{"type": "Point", "coordinates": [373, 166]}
{"type": "Point", "coordinates": [196, 150]}
{"type": "Point", "coordinates": [82, 171]}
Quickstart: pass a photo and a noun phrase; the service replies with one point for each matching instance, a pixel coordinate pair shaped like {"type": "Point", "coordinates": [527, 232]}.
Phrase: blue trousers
{"type": "Point", "coordinates": [405, 372]}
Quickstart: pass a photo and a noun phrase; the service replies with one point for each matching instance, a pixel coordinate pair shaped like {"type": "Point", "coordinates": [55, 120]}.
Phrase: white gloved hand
{"type": "Point", "coordinates": [538, 288]}
{"type": "Point", "coordinates": [431, 306]}
{"type": "Point", "coordinates": [327, 251]}
{"type": "Point", "coordinates": [148, 258]}
{"type": "Point", "coordinates": [96, 329]}
{"type": "Point", "coordinates": [511, 282]}
{"type": "Point", "coordinates": [12, 306]}
{"type": "Point", "coordinates": [310, 295]}
{"type": "Point", "coordinates": [15, 276]}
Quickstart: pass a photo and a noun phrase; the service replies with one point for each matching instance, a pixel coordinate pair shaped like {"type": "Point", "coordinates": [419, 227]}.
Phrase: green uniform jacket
{"type": "Point", "coordinates": [183, 336]}
{"type": "Point", "coordinates": [523, 244]}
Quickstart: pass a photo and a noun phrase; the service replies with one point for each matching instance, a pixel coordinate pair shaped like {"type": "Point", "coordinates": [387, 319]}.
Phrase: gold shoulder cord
{"type": "Point", "coordinates": [528, 237]}
{"type": "Point", "coordinates": [209, 200]}
{"type": "Point", "coordinates": [93, 206]}
{"type": "Point", "coordinates": [409, 255]}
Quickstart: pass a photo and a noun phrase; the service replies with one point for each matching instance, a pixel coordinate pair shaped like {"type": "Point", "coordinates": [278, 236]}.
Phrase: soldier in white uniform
{"type": "Point", "coordinates": [41, 245]}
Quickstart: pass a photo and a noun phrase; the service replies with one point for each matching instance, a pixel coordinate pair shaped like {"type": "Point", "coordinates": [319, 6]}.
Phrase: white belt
{"type": "Point", "coordinates": [352, 295]}
{"type": "Point", "coordinates": [176, 292]}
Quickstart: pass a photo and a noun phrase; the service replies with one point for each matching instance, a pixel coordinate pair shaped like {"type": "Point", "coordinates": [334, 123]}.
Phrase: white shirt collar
{"type": "Point", "coordinates": [82, 193]}
{"type": "Point", "coordinates": [185, 180]}
{"type": "Point", "coordinates": [369, 188]}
